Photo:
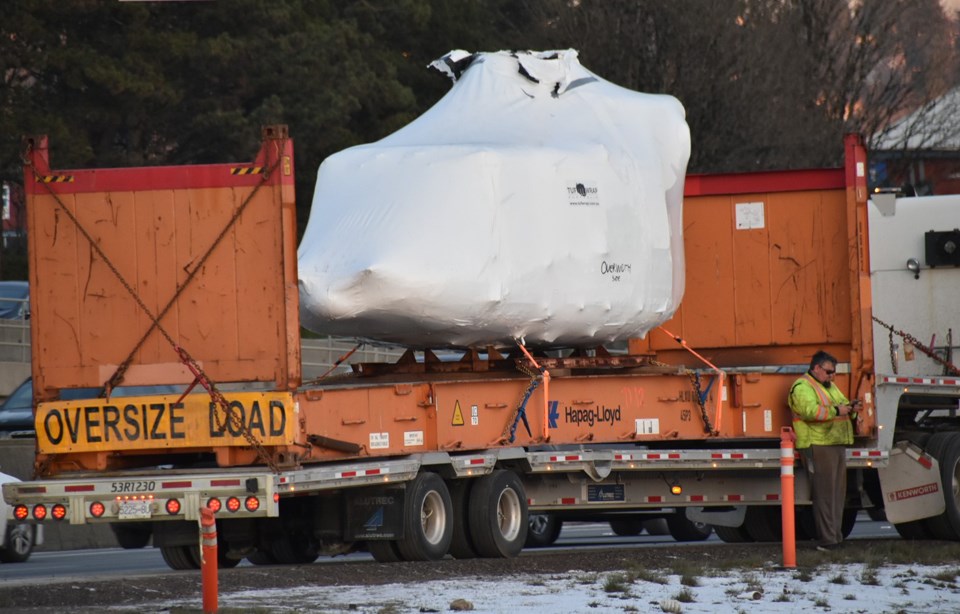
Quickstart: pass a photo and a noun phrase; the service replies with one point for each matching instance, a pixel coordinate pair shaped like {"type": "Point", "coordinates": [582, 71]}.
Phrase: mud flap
{"type": "Point", "coordinates": [374, 514]}
{"type": "Point", "coordinates": [911, 484]}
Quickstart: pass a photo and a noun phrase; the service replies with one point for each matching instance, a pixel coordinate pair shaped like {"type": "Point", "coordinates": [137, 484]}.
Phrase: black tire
{"type": "Point", "coordinates": [131, 536]}
{"type": "Point", "coordinates": [945, 447]}
{"type": "Point", "coordinates": [19, 542]}
{"type": "Point", "coordinates": [461, 544]}
{"type": "Point", "coordinates": [542, 530]}
{"type": "Point", "coordinates": [180, 557]}
{"type": "Point", "coordinates": [384, 551]}
{"type": "Point", "coordinates": [877, 514]}
{"type": "Point", "coordinates": [261, 557]}
{"type": "Point", "coordinates": [806, 525]}
{"type": "Point", "coordinates": [733, 535]}
{"type": "Point", "coordinates": [764, 523]}
{"type": "Point", "coordinates": [848, 522]}
{"type": "Point", "coordinates": [656, 526]}
{"type": "Point", "coordinates": [291, 549]}
{"type": "Point", "coordinates": [683, 529]}
{"type": "Point", "coordinates": [427, 519]}
{"type": "Point", "coordinates": [626, 526]}
{"type": "Point", "coordinates": [498, 515]}
{"type": "Point", "coordinates": [915, 529]}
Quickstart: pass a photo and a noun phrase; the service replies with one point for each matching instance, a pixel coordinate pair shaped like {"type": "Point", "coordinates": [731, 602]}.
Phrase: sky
{"type": "Point", "coordinates": [838, 589]}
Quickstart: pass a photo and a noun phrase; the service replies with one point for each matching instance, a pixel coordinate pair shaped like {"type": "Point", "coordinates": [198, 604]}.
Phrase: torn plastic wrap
{"type": "Point", "coordinates": [534, 201]}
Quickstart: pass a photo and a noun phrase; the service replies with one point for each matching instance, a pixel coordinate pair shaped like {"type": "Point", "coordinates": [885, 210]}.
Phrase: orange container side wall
{"type": "Point", "coordinates": [232, 317]}
{"type": "Point", "coordinates": [766, 294]}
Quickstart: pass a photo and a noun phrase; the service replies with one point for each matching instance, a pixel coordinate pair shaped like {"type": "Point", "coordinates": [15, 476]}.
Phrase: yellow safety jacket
{"type": "Point", "coordinates": [816, 419]}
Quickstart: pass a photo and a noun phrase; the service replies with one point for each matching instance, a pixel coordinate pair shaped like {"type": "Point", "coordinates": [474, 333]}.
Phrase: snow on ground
{"type": "Point", "coordinates": [854, 588]}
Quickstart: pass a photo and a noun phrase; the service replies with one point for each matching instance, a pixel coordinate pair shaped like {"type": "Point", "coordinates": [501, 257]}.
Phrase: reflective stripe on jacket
{"type": "Point", "coordinates": [815, 416]}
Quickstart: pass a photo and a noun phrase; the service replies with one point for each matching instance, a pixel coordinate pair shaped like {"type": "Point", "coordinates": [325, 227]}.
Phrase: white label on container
{"type": "Point", "coordinates": [648, 426]}
{"type": "Point", "coordinates": [474, 415]}
{"type": "Point", "coordinates": [768, 420]}
{"type": "Point", "coordinates": [749, 216]}
{"type": "Point", "coordinates": [412, 438]}
{"type": "Point", "coordinates": [379, 441]}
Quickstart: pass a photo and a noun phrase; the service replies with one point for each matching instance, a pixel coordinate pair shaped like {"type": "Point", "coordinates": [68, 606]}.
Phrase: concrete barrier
{"type": "Point", "coordinates": [16, 459]}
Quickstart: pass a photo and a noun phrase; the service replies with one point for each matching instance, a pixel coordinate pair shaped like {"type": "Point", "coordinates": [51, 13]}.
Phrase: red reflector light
{"type": "Point", "coordinates": [276, 497]}
{"type": "Point", "coordinates": [21, 512]}
{"type": "Point", "coordinates": [214, 504]}
{"type": "Point", "coordinates": [97, 509]}
{"type": "Point", "coordinates": [233, 504]}
{"type": "Point", "coordinates": [39, 511]}
{"type": "Point", "coordinates": [173, 506]}
{"type": "Point", "coordinates": [252, 504]}
{"type": "Point", "coordinates": [59, 511]}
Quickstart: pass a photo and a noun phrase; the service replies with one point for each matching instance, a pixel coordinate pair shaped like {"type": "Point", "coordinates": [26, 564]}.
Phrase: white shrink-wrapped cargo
{"type": "Point", "coordinates": [535, 201]}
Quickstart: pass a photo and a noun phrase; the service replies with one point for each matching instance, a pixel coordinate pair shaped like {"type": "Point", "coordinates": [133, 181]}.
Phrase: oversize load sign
{"type": "Point", "coordinates": [163, 421]}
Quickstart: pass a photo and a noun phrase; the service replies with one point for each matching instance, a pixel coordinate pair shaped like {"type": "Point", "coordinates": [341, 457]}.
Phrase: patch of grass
{"type": "Point", "coordinates": [689, 580]}
{"type": "Point", "coordinates": [850, 597]}
{"type": "Point", "coordinates": [782, 598]}
{"type": "Point", "coordinates": [947, 575]}
{"type": "Point", "coordinates": [821, 603]}
{"type": "Point", "coordinates": [685, 596]}
{"type": "Point", "coordinates": [594, 604]}
{"type": "Point", "coordinates": [839, 579]}
{"type": "Point", "coordinates": [804, 575]}
{"type": "Point", "coordinates": [616, 583]}
{"type": "Point", "coordinates": [536, 582]}
{"type": "Point", "coordinates": [649, 575]}
{"type": "Point", "coordinates": [630, 608]}
{"type": "Point", "coordinates": [590, 578]}
{"type": "Point", "coordinates": [869, 578]}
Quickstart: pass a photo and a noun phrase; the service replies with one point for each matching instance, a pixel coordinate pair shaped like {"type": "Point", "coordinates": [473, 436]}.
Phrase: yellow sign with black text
{"type": "Point", "coordinates": [164, 421]}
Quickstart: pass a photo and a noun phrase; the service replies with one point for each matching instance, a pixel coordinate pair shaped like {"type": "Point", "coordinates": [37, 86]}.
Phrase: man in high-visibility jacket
{"type": "Point", "coordinates": [822, 420]}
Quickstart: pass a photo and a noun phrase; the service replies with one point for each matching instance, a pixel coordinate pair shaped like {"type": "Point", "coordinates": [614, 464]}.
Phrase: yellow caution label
{"type": "Point", "coordinates": [164, 421]}
{"type": "Point", "coordinates": [246, 170]}
{"type": "Point", "coordinates": [457, 415]}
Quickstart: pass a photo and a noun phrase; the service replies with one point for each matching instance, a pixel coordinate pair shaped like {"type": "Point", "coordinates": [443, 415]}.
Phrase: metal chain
{"type": "Point", "coordinates": [695, 383]}
{"type": "Point", "coordinates": [893, 353]}
{"type": "Point", "coordinates": [534, 382]}
{"type": "Point", "coordinates": [192, 364]}
{"type": "Point", "coordinates": [948, 366]}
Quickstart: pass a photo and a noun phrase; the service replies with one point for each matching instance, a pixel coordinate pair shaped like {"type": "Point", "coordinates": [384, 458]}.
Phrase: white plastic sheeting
{"type": "Point", "coordinates": [534, 201]}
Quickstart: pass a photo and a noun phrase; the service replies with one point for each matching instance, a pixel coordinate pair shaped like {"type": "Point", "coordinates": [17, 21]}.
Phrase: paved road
{"type": "Point", "coordinates": [109, 562]}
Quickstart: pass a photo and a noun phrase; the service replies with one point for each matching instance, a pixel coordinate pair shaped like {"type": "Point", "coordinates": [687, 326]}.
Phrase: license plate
{"type": "Point", "coordinates": [134, 509]}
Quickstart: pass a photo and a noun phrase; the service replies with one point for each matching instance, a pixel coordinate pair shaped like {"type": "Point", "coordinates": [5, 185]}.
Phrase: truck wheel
{"type": "Point", "coordinates": [945, 447]}
{"type": "Point", "coordinates": [656, 526]}
{"type": "Point", "coordinates": [498, 515]}
{"type": "Point", "coordinates": [733, 535]}
{"type": "Point", "coordinates": [131, 536]}
{"type": "Point", "coordinates": [915, 529]}
{"type": "Point", "coordinates": [180, 557]}
{"type": "Point", "coordinates": [542, 530]}
{"type": "Point", "coordinates": [763, 523]}
{"type": "Point", "coordinates": [261, 557]}
{"type": "Point", "coordinates": [848, 522]}
{"type": "Point", "coordinates": [683, 529]}
{"type": "Point", "coordinates": [427, 519]}
{"type": "Point", "coordinates": [626, 526]}
{"type": "Point", "coordinates": [291, 549]}
{"type": "Point", "coordinates": [384, 551]}
{"type": "Point", "coordinates": [461, 544]}
{"type": "Point", "coordinates": [19, 542]}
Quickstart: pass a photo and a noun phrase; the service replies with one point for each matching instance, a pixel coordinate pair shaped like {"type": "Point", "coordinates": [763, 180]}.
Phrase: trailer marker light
{"type": "Point", "coordinates": [21, 512]}
{"type": "Point", "coordinates": [97, 509]}
{"type": "Point", "coordinates": [233, 504]}
{"type": "Point", "coordinates": [59, 511]}
{"type": "Point", "coordinates": [214, 505]}
{"type": "Point", "coordinates": [252, 504]}
{"type": "Point", "coordinates": [173, 506]}
{"type": "Point", "coordinates": [39, 511]}
{"type": "Point", "coordinates": [276, 497]}
{"type": "Point", "coordinates": [676, 489]}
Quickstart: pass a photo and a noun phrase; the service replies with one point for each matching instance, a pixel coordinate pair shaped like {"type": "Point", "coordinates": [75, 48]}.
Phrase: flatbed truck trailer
{"type": "Point", "coordinates": [186, 276]}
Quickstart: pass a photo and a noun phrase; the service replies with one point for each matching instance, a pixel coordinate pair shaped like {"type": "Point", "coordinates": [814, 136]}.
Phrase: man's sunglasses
{"type": "Point", "coordinates": [829, 371]}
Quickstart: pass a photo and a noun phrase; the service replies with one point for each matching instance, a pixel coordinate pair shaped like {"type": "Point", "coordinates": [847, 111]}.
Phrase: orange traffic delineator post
{"type": "Point", "coordinates": [787, 439]}
{"type": "Point", "coordinates": [208, 560]}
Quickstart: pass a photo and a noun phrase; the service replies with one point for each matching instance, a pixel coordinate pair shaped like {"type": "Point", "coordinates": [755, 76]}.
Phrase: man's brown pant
{"type": "Point", "coordinates": [829, 489]}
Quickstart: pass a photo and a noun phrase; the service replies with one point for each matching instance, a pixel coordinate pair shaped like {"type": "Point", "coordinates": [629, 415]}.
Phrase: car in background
{"type": "Point", "coordinates": [14, 300]}
{"type": "Point", "coordinates": [17, 539]}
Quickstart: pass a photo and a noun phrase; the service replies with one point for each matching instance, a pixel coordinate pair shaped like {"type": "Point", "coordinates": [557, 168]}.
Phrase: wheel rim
{"type": "Point", "coordinates": [433, 517]}
{"type": "Point", "coordinates": [509, 514]}
{"type": "Point", "coordinates": [538, 523]}
{"type": "Point", "coordinates": [21, 539]}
